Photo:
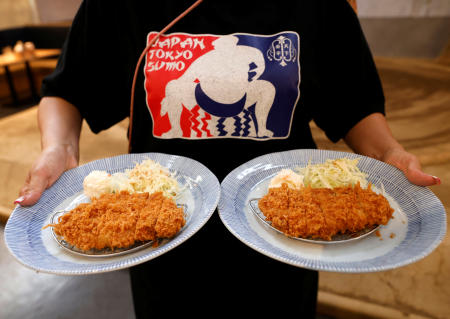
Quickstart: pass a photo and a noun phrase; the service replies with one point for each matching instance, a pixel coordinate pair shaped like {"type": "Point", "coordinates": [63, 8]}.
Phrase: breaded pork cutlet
{"type": "Point", "coordinates": [323, 212]}
{"type": "Point", "coordinates": [120, 220]}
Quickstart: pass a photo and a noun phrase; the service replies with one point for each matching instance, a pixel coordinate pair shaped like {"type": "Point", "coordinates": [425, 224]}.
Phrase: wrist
{"type": "Point", "coordinates": [69, 151]}
{"type": "Point", "coordinates": [389, 151]}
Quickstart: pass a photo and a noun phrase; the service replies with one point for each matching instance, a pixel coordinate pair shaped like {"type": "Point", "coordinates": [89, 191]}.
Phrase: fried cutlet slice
{"type": "Point", "coordinates": [161, 218]}
{"type": "Point", "coordinates": [145, 226]}
{"type": "Point", "coordinates": [280, 209]}
{"type": "Point", "coordinates": [335, 217]}
{"type": "Point", "coordinates": [315, 219]}
{"type": "Point", "coordinates": [375, 206]}
{"type": "Point", "coordinates": [347, 203]}
{"type": "Point", "coordinates": [295, 213]}
{"type": "Point", "coordinates": [170, 219]}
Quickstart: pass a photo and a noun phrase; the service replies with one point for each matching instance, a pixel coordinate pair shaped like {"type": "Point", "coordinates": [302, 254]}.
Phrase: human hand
{"type": "Point", "coordinates": [409, 164]}
{"type": "Point", "coordinates": [47, 168]}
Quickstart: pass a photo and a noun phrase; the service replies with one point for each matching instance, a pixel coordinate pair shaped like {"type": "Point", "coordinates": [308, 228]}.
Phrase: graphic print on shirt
{"type": "Point", "coordinates": [208, 86]}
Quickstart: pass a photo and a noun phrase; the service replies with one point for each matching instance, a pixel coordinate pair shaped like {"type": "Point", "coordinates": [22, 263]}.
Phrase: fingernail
{"type": "Point", "coordinates": [437, 180]}
{"type": "Point", "coordinates": [19, 200]}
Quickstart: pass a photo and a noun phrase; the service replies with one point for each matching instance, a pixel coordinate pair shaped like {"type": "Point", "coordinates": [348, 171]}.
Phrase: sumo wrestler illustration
{"type": "Point", "coordinates": [225, 84]}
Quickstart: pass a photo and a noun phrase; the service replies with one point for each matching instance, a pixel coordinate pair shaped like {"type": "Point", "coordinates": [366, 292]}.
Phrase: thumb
{"type": "Point", "coordinates": [32, 190]}
{"type": "Point", "coordinates": [418, 177]}
{"type": "Point", "coordinates": [409, 164]}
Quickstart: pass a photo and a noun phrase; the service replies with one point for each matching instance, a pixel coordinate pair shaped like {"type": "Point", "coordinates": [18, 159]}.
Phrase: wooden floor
{"type": "Point", "coordinates": [418, 111]}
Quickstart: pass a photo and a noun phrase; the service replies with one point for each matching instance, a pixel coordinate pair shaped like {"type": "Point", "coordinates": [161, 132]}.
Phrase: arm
{"type": "Point", "coordinates": [60, 127]}
{"type": "Point", "coordinates": [372, 137]}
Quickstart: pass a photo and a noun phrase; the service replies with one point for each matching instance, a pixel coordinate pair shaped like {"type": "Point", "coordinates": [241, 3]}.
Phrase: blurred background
{"type": "Point", "coordinates": [410, 42]}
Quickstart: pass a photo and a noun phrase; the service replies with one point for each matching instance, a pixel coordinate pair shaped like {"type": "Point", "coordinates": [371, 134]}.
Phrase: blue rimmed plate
{"type": "Point", "coordinates": [418, 226]}
{"type": "Point", "coordinates": [37, 249]}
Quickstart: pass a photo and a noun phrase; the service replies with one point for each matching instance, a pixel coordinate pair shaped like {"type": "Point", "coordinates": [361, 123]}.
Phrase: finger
{"type": "Point", "coordinates": [410, 166]}
{"type": "Point", "coordinates": [33, 190]}
{"type": "Point", "coordinates": [420, 178]}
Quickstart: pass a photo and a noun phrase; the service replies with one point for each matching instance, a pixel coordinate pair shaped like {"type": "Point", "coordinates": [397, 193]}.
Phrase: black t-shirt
{"type": "Point", "coordinates": [231, 81]}
{"type": "Point", "coordinates": [227, 83]}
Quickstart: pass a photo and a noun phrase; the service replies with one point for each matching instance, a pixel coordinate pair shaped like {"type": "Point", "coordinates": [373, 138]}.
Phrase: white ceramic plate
{"type": "Point", "coordinates": [38, 250]}
{"type": "Point", "coordinates": [418, 226]}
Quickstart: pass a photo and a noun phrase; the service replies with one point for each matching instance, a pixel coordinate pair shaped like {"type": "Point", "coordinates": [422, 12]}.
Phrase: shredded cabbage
{"type": "Point", "coordinates": [148, 176]}
{"type": "Point", "coordinates": [333, 173]}
{"type": "Point", "coordinates": [151, 177]}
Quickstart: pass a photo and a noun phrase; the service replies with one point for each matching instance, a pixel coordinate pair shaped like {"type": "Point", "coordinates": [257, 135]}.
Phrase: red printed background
{"type": "Point", "coordinates": [168, 59]}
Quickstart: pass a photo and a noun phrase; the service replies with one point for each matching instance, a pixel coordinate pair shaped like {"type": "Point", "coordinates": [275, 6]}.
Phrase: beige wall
{"type": "Point", "coordinates": [15, 13]}
{"type": "Point", "coordinates": [403, 8]}
{"type": "Point", "coordinates": [406, 28]}
{"type": "Point", "coordinates": [49, 11]}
